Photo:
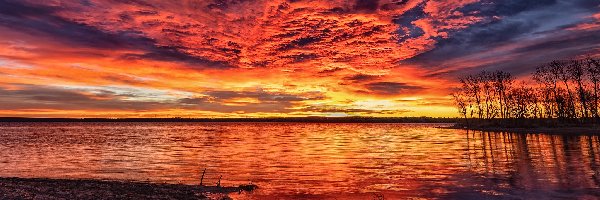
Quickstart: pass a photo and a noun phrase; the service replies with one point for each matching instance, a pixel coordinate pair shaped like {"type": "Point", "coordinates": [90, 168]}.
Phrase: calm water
{"type": "Point", "coordinates": [311, 161]}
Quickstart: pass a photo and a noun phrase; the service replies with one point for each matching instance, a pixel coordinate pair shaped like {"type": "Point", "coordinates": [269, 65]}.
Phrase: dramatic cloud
{"type": "Point", "coordinates": [224, 58]}
{"type": "Point", "coordinates": [520, 35]}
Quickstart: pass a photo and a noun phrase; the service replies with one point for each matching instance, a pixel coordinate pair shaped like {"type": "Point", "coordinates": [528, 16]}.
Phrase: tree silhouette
{"type": "Point", "coordinates": [566, 90]}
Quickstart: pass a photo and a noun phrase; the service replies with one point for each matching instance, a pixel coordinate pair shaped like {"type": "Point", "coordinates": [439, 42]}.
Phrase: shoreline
{"type": "Point", "coordinates": [47, 188]}
{"type": "Point", "coordinates": [535, 130]}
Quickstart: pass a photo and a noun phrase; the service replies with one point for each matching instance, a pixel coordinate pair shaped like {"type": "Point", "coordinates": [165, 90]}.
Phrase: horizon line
{"type": "Point", "coordinates": [366, 119]}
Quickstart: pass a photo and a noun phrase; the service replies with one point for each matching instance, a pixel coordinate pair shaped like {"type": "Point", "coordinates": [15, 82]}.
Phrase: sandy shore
{"type": "Point", "coordinates": [37, 188]}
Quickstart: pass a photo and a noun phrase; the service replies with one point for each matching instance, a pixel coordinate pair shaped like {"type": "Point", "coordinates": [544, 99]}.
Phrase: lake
{"type": "Point", "coordinates": [311, 160]}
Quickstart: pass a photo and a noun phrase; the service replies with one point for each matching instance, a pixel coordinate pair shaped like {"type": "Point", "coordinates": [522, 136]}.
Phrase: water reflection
{"type": "Point", "coordinates": [324, 161]}
{"type": "Point", "coordinates": [532, 165]}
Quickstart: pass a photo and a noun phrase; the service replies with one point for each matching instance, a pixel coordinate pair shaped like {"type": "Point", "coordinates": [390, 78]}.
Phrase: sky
{"type": "Point", "coordinates": [272, 58]}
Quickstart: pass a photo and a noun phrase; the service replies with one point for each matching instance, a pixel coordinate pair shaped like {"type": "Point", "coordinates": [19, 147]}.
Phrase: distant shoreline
{"type": "Point", "coordinates": [19, 188]}
{"type": "Point", "coordinates": [274, 119]}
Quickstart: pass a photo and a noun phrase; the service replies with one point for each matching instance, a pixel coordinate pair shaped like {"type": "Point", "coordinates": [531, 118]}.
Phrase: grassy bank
{"type": "Point", "coordinates": [37, 188]}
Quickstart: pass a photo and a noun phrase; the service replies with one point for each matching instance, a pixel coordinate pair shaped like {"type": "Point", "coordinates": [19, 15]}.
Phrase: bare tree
{"type": "Point", "coordinates": [593, 69]}
{"type": "Point", "coordinates": [522, 101]}
{"type": "Point", "coordinates": [575, 71]}
{"type": "Point", "coordinates": [559, 69]}
{"type": "Point", "coordinates": [461, 104]}
{"type": "Point", "coordinates": [487, 81]}
{"type": "Point", "coordinates": [471, 86]}
{"type": "Point", "coordinates": [566, 89]}
{"type": "Point", "coordinates": [502, 83]}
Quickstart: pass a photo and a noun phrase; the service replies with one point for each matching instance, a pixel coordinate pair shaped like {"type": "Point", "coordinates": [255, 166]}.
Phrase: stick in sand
{"type": "Point", "coordinates": [202, 178]}
{"type": "Point", "coordinates": [219, 183]}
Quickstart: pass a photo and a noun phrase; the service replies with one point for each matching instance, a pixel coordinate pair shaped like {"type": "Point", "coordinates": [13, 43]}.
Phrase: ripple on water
{"type": "Point", "coordinates": [324, 161]}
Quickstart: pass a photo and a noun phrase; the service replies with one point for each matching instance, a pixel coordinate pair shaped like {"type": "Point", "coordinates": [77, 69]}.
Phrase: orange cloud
{"type": "Point", "coordinates": [235, 58]}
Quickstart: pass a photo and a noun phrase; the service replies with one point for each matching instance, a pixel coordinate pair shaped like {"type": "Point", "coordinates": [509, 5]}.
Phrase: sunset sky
{"type": "Point", "coordinates": [259, 58]}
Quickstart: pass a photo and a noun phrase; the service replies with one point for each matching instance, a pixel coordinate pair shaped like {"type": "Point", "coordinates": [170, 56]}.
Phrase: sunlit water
{"type": "Point", "coordinates": [311, 161]}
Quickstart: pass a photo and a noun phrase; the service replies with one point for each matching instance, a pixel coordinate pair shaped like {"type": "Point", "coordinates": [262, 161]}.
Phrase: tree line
{"type": "Point", "coordinates": [566, 90]}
